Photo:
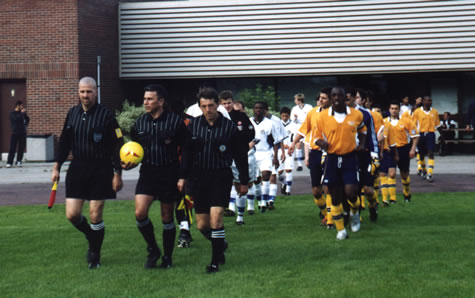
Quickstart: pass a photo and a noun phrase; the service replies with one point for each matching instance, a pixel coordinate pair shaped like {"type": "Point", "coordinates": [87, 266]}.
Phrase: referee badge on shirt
{"type": "Point", "coordinates": [97, 136]}
{"type": "Point", "coordinates": [222, 148]}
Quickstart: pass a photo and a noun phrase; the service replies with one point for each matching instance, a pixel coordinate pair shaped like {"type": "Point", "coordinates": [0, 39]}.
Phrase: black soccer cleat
{"type": "Point", "coordinates": [229, 213]}
{"type": "Point", "coordinates": [330, 226]}
{"type": "Point", "coordinates": [392, 202]}
{"type": "Point", "coordinates": [184, 239]}
{"type": "Point", "coordinates": [263, 209]}
{"type": "Point", "coordinates": [212, 268]}
{"type": "Point", "coordinates": [166, 263]}
{"type": "Point", "coordinates": [250, 212]}
{"type": "Point", "coordinates": [271, 205]}
{"type": "Point", "coordinates": [240, 222]}
{"type": "Point", "coordinates": [152, 258]}
{"type": "Point", "coordinates": [373, 214]}
{"type": "Point", "coordinates": [93, 260]}
{"type": "Point", "coordinates": [299, 169]}
{"type": "Point", "coordinates": [283, 188]}
{"type": "Point", "coordinates": [407, 199]}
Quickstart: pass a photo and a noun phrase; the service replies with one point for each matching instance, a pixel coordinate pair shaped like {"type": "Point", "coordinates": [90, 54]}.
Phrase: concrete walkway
{"type": "Point", "coordinates": [33, 172]}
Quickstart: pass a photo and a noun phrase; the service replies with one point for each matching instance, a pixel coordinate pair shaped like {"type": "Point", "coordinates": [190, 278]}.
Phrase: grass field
{"type": "Point", "coordinates": [421, 249]}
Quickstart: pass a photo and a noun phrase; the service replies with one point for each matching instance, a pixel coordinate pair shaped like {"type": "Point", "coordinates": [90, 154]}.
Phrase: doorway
{"type": "Point", "coordinates": [10, 93]}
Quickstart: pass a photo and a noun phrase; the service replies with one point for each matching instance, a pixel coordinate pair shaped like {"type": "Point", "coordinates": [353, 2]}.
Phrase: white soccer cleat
{"type": "Point", "coordinates": [355, 222]}
{"type": "Point", "coordinates": [342, 235]}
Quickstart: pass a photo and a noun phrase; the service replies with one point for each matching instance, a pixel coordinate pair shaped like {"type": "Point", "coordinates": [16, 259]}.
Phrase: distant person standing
{"type": "Point", "coordinates": [298, 115]}
{"type": "Point", "coordinates": [19, 121]}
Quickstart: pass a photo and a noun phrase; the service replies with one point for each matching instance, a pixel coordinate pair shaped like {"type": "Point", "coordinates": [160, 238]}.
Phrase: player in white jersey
{"type": "Point", "coordinates": [298, 115]}
{"type": "Point", "coordinates": [288, 164]}
{"type": "Point", "coordinates": [266, 151]}
{"type": "Point", "coordinates": [195, 111]}
{"type": "Point", "coordinates": [280, 137]}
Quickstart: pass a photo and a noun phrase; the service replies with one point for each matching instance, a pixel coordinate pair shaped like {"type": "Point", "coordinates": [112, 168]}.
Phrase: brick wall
{"type": "Point", "coordinates": [39, 43]}
{"type": "Point", "coordinates": [98, 36]}
{"type": "Point", "coordinates": [51, 44]}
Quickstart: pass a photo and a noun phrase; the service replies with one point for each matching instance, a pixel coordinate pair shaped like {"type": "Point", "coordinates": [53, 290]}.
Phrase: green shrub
{"type": "Point", "coordinates": [250, 96]}
{"type": "Point", "coordinates": [127, 116]}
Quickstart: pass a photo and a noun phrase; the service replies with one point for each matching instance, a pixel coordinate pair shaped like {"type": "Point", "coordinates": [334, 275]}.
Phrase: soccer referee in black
{"type": "Point", "coordinates": [162, 134]}
{"type": "Point", "coordinates": [214, 145]}
{"type": "Point", "coordinates": [92, 134]}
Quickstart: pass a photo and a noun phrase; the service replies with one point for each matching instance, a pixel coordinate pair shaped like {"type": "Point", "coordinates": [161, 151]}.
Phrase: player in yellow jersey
{"type": "Point", "coordinates": [402, 130]}
{"type": "Point", "coordinates": [335, 132]}
{"type": "Point", "coordinates": [315, 154]}
{"type": "Point", "coordinates": [427, 121]}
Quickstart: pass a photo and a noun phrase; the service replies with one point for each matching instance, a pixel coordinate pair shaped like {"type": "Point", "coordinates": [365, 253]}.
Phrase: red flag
{"type": "Point", "coordinates": [52, 196]}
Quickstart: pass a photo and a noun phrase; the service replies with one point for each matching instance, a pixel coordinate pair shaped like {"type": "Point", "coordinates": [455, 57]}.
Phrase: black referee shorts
{"type": "Point", "coordinates": [159, 182]}
{"type": "Point", "coordinates": [90, 180]}
{"type": "Point", "coordinates": [211, 188]}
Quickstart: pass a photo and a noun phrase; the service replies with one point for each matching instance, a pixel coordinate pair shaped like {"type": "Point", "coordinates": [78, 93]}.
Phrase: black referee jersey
{"type": "Point", "coordinates": [245, 129]}
{"type": "Point", "coordinates": [90, 136]}
{"type": "Point", "coordinates": [162, 139]}
{"type": "Point", "coordinates": [215, 147]}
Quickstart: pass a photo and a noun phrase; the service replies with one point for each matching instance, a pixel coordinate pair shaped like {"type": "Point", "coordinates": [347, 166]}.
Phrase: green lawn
{"type": "Point", "coordinates": [422, 249]}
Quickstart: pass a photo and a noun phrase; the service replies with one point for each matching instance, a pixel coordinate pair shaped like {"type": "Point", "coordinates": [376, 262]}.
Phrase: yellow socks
{"type": "Point", "coordinates": [419, 164]}
{"type": "Point", "coordinates": [355, 207]}
{"type": "Point", "coordinates": [337, 215]}
{"type": "Point", "coordinates": [392, 189]}
{"type": "Point", "coordinates": [384, 189]}
{"type": "Point", "coordinates": [377, 181]}
{"type": "Point", "coordinates": [320, 201]}
{"type": "Point", "coordinates": [406, 186]}
{"type": "Point", "coordinates": [329, 209]}
{"type": "Point", "coordinates": [362, 198]}
{"type": "Point", "coordinates": [430, 166]}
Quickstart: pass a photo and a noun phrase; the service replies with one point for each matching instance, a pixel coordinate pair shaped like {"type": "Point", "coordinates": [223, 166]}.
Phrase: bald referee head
{"type": "Point", "coordinates": [87, 92]}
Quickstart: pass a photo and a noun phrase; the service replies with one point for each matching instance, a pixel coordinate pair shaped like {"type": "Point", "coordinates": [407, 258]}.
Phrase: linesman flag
{"type": "Point", "coordinates": [52, 196]}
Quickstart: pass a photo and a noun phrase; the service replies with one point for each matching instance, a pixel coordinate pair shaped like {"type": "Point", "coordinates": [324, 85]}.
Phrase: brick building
{"type": "Point", "coordinates": [45, 47]}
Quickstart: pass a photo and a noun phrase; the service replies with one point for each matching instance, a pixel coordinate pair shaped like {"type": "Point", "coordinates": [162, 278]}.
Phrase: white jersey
{"type": "Point", "coordinates": [195, 111]}
{"type": "Point", "coordinates": [290, 128]}
{"type": "Point", "coordinates": [299, 114]}
{"type": "Point", "coordinates": [281, 133]}
{"type": "Point", "coordinates": [404, 108]}
{"type": "Point", "coordinates": [263, 130]}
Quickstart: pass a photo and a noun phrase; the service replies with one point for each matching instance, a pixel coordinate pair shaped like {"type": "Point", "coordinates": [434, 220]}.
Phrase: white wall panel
{"type": "Point", "coordinates": [187, 39]}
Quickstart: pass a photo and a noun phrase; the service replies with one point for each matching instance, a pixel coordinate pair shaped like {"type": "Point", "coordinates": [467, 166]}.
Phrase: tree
{"type": "Point", "coordinates": [268, 95]}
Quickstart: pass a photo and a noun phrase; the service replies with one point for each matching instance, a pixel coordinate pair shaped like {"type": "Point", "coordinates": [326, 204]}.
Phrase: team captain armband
{"type": "Point", "coordinates": [118, 133]}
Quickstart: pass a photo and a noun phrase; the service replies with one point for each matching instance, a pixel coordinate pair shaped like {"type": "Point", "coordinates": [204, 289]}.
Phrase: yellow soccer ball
{"type": "Point", "coordinates": [131, 152]}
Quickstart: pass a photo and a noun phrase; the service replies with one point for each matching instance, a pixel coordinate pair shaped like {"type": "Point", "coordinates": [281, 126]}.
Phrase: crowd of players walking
{"type": "Point", "coordinates": [215, 159]}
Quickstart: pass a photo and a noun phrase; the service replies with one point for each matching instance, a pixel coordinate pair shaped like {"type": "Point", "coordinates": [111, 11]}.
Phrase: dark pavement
{"type": "Point", "coordinates": [38, 193]}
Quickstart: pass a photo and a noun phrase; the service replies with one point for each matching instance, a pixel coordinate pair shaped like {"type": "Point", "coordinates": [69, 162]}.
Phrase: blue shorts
{"type": "Point", "coordinates": [387, 162]}
{"type": "Point", "coordinates": [426, 143]}
{"type": "Point", "coordinates": [364, 165]}
{"type": "Point", "coordinates": [315, 166]}
{"type": "Point", "coordinates": [404, 160]}
{"type": "Point", "coordinates": [341, 169]}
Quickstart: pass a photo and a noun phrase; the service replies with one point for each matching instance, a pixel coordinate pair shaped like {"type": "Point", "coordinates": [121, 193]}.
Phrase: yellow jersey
{"type": "Point", "coordinates": [388, 136]}
{"type": "Point", "coordinates": [339, 130]}
{"type": "Point", "coordinates": [378, 121]}
{"type": "Point", "coordinates": [426, 121]}
{"type": "Point", "coordinates": [306, 129]}
{"type": "Point", "coordinates": [401, 130]}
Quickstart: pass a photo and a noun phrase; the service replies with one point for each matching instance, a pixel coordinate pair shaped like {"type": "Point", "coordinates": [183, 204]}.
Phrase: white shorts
{"type": "Point", "coordinates": [264, 161]}
{"type": "Point", "coordinates": [288, 164]}
{"type": "Point", "coordinates": [251, 159]}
